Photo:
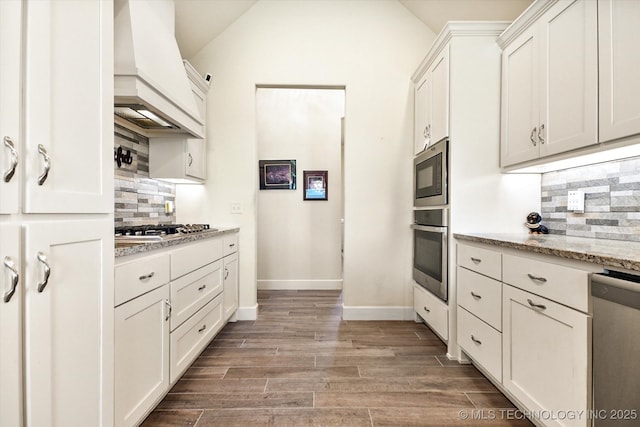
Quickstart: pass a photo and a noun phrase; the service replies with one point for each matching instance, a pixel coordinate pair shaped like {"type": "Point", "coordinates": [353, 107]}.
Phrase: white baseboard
{"type": "Point", "coordinates": [310, 285]}
{"type": "Point", "coordinates": [247, 313]}
{"type": "Point", "coordinates": [377, 313]}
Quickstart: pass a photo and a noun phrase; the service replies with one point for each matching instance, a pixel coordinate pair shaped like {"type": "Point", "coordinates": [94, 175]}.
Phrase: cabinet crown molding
{"type": "Point", "coordinates": [525, 20]}
{"type": "Point", "coordinates": [458, 29]}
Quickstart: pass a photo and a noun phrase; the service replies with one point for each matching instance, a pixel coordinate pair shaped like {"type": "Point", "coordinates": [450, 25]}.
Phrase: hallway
{"type": "Point", "coordinates": [299, 364]}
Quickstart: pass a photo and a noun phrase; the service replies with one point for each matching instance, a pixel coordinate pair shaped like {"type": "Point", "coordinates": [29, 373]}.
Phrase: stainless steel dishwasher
{"type": "Point", "coordinates": [616, 349]}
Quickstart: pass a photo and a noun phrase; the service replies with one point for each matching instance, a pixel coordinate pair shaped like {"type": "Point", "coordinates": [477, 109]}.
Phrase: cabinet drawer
{"type": "Point", "coordinates": [188, 341]}
{"type": "Point", "coordinates": [481, 342]}
{"type": "Point", "coordinates": [483, 261]}
{"type": "Point", "coordinates": [566, 285]}
{"type": "Point", "coordinates": [432, 310]}
{"type": "Point", "coordinates": [140, 276]}
{"type": "Point", "coordinates": [191, 256]}
{"type": "Point", "coordinates": [230, 244]}
{"type": "Point", "coordinates": [481, 296]}
{"type": "Point", "coordinates": [192, 291]}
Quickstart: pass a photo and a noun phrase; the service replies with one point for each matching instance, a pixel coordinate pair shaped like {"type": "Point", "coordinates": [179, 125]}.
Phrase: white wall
{"type": "Point", "coordinates": [298, 240]}
{"type": "Point", "coordinates": [371, 48]}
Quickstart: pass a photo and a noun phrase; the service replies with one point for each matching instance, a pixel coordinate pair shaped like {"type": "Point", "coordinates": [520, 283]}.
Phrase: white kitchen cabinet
{"type": "Point", "coordinates": [10, 151]}
{"type": "Point", "coordinates": [68, 323]}
{"type": "Point", "coordinates": [68, 106]}
{"type": "Point", "coordinates": [230, 285]}
{"type": "Point", "coordinates": [431, 103]}
{"type": "Point", "coordinates": [11, 291]}
{"type": "Point", "coordinates": [141, 355]}
{"type": "Point", "coordinates": [432, 310]}
{"type": "Point", "coordinates": [177, 159]}
{"type": "Point", "coordinates": [193, 291]}
{"type": "Point", "coordinates": [549, 84]}
{"type": "Point", "coordinates": [181, 159]}
{"type": "Point", "coordinates": [546, 355]}
{"type": "Point", "coordinates": [619, 62]}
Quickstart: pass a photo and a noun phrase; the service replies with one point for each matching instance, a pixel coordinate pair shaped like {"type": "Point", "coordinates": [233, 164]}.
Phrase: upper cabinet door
{"type": "Point", "coordinates": [439, 76]}
{"type": "Point", "coordinates": [519, 120]}
{"type": "Point", "coordinates": [619, 32]}
{"type": "Point", "coordinates": [421, 114]}
{"type": "Point", "coordinates": [68, 104]}
{"type": "Point", "coordinates": [11, 160]}
{"type": "Point", "coordinates": [568, 77]}
{"type": "Point", "coordinates": [196, 157]}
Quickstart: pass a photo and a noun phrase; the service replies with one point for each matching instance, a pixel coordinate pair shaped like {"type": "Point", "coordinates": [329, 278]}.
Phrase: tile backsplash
{"type": "Point", "coordinates": [138, 198]}
{"type": "Point", "coordinates": [612, 200]}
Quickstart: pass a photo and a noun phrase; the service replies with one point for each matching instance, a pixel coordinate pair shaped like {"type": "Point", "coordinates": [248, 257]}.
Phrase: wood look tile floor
{"type": "Point", "coordinates": [299, 364]}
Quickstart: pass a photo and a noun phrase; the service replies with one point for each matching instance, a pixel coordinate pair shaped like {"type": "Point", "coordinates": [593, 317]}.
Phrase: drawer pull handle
{"type": "Point", "coordinates": [47, 271]}
{"type": "Point", "coordinates": [169, 309]}
{"type": "Point", "coordinates": [201, 288]}
{"type": "Point", "coordinates": [532, 136]}
{"type": "Point", "coordinates": [476, 296]}
{"type": "Point", "coordinates": [537, 278]}
{"type": "Point", "coordinates": [47, 164]}
{"type": "Point", "coordinates": [426, 309]}
{"type": "Point", "coordinates": [15, 278]}
{"type": "Point", "coordinates": [534, 305]}
{"type": "Point", "coordinates": [203, 328]}
{"type": "Point", "coordinates": [226, 273]}
{"type": "Point", "coordinates": [475, 340]}
{"type": "Point", "coordinates": [476, 260]}
{"type": "Point", "coordinates": [231, 245]}
{"type": "Point", "coordinates": [147, 276]}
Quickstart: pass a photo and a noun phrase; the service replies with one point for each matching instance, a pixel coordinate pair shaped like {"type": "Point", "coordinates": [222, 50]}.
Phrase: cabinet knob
{"type": "Point", "coordinates": [47, 164]}
{"type": "Point", "coordinates": [15, 278]}
{"type": "Point", "coordinates": [8, 142]}
{"type": "Point", "coordinates": [47, 271]}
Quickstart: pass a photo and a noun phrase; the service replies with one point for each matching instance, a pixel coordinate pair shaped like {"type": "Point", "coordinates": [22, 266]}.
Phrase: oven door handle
{"type": "Point", "coordinates": [430, 228]}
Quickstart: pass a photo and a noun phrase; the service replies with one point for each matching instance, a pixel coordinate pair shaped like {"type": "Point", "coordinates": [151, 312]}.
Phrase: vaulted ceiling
{"type": "Point", "coordinates": [200, 21]}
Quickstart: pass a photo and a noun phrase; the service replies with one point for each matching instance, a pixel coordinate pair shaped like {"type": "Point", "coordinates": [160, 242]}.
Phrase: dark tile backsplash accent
{"type": "Point", "coordinates": [612, 200]}
{"type": "Point", "coordinates": [138, 198]}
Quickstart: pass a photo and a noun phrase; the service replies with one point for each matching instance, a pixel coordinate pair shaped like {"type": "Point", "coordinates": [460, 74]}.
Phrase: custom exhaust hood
{"type": "Point", "coordinates": [152, 92]}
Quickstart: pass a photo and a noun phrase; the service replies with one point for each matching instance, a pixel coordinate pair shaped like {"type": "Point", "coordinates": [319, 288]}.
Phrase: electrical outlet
{"type": "Point", "coordinates": [575, 201]}
{"type": "Point", "coordinates": [236, 208]}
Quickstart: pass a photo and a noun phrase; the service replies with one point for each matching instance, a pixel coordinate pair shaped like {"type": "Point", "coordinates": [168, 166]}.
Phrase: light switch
{"type": "Point", "coordinates": [575, 201]}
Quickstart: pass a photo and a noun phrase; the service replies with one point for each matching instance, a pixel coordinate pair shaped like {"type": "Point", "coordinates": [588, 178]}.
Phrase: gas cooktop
{"type": "Point", "coordinates": [160, 229]}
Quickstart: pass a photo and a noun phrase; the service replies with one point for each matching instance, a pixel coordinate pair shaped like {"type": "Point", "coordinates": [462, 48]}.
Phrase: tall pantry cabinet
{"type": "Point", "coordinates": [56, 213]}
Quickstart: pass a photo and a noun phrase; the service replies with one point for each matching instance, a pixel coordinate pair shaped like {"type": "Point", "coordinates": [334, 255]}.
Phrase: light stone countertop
{"type": "Point", "coordinates": [172, 240]}
{"type": "Point", "coordinates": [608, 253]}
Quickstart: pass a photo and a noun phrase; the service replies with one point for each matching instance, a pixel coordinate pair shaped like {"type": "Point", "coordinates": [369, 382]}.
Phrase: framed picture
{"type": "Point", "coordinates": [315, 185]}
{"type": "Point", "coordinates": [277, 174]}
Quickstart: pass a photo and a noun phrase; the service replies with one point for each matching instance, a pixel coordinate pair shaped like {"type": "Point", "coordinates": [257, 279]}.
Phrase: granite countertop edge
{"type": "Point", "coordinates": [173, 241]}
{"type": "Point", "coordinates": [608, 253]}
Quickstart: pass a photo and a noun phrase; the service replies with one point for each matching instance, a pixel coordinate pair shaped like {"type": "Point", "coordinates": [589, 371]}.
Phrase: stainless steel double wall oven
{"type": "Point", "coordinates": [430, 227]}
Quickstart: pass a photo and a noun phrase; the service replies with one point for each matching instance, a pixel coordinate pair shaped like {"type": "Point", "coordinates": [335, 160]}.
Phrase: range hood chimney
{"type": "Point", "coordinates": [151, 87]}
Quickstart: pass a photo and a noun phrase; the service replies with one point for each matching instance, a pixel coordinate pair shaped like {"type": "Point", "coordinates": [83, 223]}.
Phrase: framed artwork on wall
{"type": "Point", "coordinates": [315, 185]}
{"type": "Point", "coordinates": [277, 174]}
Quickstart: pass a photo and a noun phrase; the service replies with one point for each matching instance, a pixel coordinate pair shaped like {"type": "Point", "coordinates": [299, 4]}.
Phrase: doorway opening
{"type": "Point", "coordinates": [300, 132]}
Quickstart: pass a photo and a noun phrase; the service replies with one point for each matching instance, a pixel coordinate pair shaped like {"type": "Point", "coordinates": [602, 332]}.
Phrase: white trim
{"type": "Point", "coordinates": [526, 19]}
{"type": "Point", "coordinates": [247, 313]}
{"type": "Point", "coordinates": [300, 284]}
{"type": "Point", "coordinates": [377, 313]}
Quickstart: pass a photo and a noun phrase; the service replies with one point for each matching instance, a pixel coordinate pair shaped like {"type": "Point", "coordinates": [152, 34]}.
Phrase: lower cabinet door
{"type": "Point", "coordinates": [141, 355]}
{"type": "Point", "coordinates": [68, 323]}
{"type": "Point", "coordinates": [546, 363]}
{"type": "Point", "coordinates": [188, 341]}
{"type": "Point", "coordinates": [11, 290]}
{"type": "Point", "coordinates": [230, 285]}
